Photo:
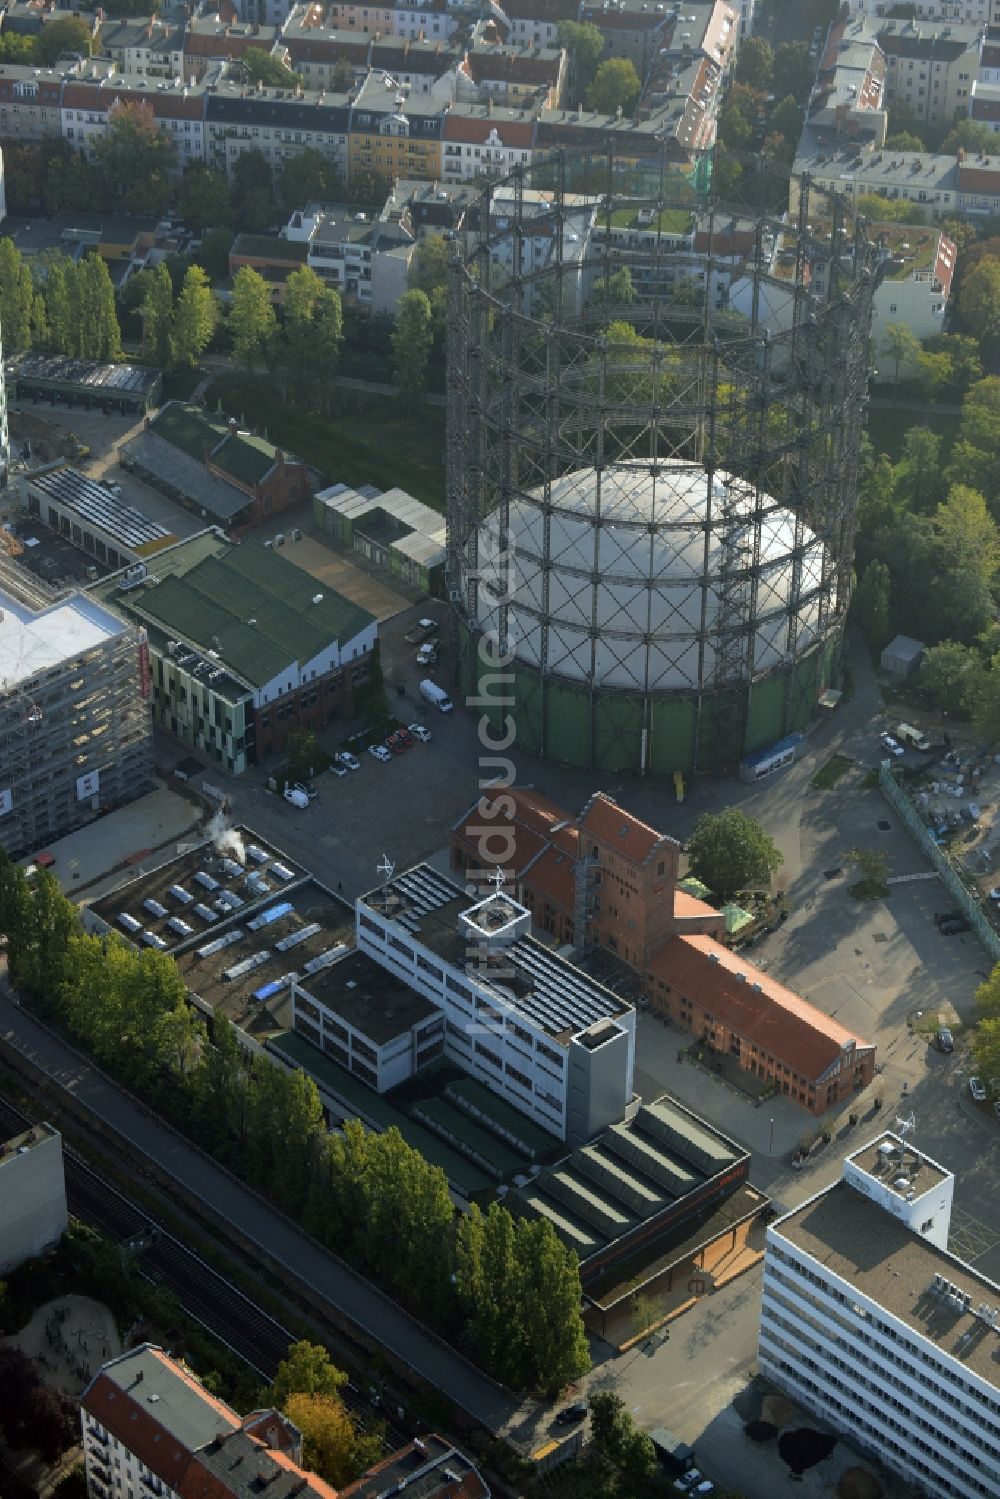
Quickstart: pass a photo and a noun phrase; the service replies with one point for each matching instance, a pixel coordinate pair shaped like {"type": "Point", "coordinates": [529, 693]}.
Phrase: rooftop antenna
{"type": "Point", "coordinates": [387, 867]}
{"type": "Point", "coordinates": [905, 1124]}
{"type": "Point", "coordinates": [498, 879]}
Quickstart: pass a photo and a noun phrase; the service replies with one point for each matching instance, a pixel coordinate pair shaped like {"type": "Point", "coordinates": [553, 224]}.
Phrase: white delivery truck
{"type": "Point", "coordinates": [436, 695]}
{"type": "Point", "coordinates": [907, 734]}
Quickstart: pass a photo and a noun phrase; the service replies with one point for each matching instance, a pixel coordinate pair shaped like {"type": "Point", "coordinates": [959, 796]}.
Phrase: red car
{"type": "Point", "coordinates": [405, 738]}
{"type": "Point", "coordinates": [395, 744]}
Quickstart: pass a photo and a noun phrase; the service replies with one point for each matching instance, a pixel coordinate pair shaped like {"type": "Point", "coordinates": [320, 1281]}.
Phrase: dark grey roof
{"type": "Point", "coordinates": [293, 114]}
{"type": "Point", "coordinates": [248, 1470]}
{"type": "Point", "coordinates": [174, 468]}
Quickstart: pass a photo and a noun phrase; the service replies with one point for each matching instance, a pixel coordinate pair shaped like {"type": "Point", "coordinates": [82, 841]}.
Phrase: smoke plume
{"type": "Point", "coordinates": [226, 839]}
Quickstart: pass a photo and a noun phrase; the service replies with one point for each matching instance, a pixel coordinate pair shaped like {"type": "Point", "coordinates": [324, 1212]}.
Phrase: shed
{"type": "Point", "coordinates": [902, 656]}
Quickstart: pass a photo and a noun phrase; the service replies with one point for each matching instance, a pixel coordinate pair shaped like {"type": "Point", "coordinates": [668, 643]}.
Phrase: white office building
{"type": "Point", "coordinates": [33, 1212]}
{"type": "Point", "coordinates": [869, 1321]}
{"type": "Point", "coordinates": [526, 1023]}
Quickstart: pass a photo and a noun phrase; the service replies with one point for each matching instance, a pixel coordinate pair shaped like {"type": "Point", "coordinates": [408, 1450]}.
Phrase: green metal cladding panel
{"type": "Point", "coordinates": [617, 731]}
{"type": "Point", "coordinates": [567, 724]}
{"type": "Point", "coordinates": [766, 719]}
{"type": "Point", "coordinates": [672, 731]}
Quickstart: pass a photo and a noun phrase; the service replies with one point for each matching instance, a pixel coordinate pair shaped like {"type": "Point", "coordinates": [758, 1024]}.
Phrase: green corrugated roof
{"type": "Point", "coordinates": [214, 601]}
{"type": "Point", "coordinates": [247, 457]}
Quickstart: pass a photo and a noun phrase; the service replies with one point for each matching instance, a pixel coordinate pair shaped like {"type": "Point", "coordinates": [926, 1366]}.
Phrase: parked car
{"type": "Point", "coordinates": [45, 860]}
{"type": "Point", "coordinates": [336, 769]}
{"type": "Point", "coordinates": [977, 1090]}
{"type": "Point", "coordinates": [296, 797]}
{"type": "Point", "coordinates": [379, 752]}
{"type": "Point", "coordinates": [945, 1039]}
{"type": "Point", "coordinates": [427, 654]}
{"type": "Point", "coordinates": [952, 928]}
{"type": "Point", "coordinates": [419, 732]}
{"type": "Point", "coordinates": [693, 1482]}
{"type": "Point", "coordinates": [890, 745]}
{"type": "Point", "coordinates": [394, 744]}
{"type": "Point", "coordinates": [344, 757]}
{"type": "Point", "coordinates": [571, 1414]}
{"type": "Point", "coordinates": [405, 738]}
{"type": "Point", "coordinates": [308, 790]}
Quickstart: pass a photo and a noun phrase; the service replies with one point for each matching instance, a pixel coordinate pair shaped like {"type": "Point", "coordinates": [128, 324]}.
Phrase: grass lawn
{"type": "Point", "coordinates": [370, 440]}
{"type": "Point", "coordinates": [888, 428]}
{"type": "Point", "coordinates": [829, 774]}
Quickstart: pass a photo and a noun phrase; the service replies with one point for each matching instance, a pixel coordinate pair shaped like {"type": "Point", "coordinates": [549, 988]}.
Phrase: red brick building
{"type": "Point", "coordinates": [613, 879]}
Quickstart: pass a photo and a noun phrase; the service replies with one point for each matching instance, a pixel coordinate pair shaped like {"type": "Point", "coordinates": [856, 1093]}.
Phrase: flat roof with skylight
{"type": "Point", "coordinates": [368, 998]}
{"type": "Point", "coordinates": [526, 976]}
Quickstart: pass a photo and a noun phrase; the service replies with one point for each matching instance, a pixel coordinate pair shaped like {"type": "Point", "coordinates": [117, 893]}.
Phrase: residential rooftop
{"type": "Point", "coordinates": [429, 1468]}
{"type": "Point", "coordinates": [24, 1142]}
{"type": "Point", "coordinates": [874, 1253]}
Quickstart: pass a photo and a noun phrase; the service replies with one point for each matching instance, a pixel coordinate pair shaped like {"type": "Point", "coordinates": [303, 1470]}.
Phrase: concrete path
{"type": "Point", "coordinates": [353, 1297]}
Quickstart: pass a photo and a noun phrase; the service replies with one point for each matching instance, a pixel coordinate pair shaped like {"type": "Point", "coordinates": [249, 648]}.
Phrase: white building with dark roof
{"type": "Point", "coordinates": [868, 1321]}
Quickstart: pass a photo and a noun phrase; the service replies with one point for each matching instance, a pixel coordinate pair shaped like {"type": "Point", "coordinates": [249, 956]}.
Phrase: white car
{"type": "Point", "coordinates": [307, 791]}
{"type": "Point", "coordinates": [344, 757]}
{"type": "Point", "coordinates": [427, 655]}
{"type": "Point", "coordinates": [419, 732]}
{"type": "Point", "coordinates": [890, 745]}
{"type": "Point", "coordinates": [296, 797]}
{"type": "Point", "coordinates": [379, 752]}
{"type": "Point", "coordinates": [977, 1090]}
{"type": "Point", "coordinates": [336, 769]}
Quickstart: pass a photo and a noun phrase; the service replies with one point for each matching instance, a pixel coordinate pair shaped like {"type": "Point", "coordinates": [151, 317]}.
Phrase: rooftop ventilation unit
{"type": "Point", "coordinates": [256, 853]}
{"type": "Point", "coordinates": [179, 893]}
{"type": "Point", "coordinates": [248, 965]}
{"type": "Point", "coordinates": [226, 940]}
{"type": "Point", "coordinates": [205, 912]}
{"type": "Point", "coordinates": [154, 907]}
{"type": "Point", "coordinates": [128, 922]}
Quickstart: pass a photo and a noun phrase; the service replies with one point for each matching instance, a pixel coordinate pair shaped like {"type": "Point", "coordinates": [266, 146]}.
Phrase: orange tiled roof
{"type": "Point", "coordinates": [613, 825]}
{"type": "Point", "coordinates": [552, 876]}
{"type": "Point", "coordinates": [755, 1006]}
{"type": "Point", "coordinates": [686, 905]}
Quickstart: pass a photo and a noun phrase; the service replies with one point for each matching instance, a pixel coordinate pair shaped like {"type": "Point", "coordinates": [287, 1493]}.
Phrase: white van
{"type": "Point", "coordinates": [296, 797]}
{"type": "Point", "coordinates": [907, 734]}
{"type": "Point", "coordinates": [436, 695]}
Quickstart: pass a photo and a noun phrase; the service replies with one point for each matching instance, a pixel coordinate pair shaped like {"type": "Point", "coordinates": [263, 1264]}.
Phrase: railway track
{"type": "Point", "coordinates": [219, 1306]}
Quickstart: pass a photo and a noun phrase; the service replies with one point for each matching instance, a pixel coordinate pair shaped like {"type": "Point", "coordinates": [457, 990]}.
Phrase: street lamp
{"type": "Point", "coordinates": [770, 1146]}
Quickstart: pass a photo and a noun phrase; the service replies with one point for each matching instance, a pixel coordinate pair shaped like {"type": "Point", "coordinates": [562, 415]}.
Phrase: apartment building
{"type": "Point", "coordinates": [144, 48]}
{"type": "Point", "coordinates": [432, 19]}
{"type": "Point", "coordinates": [273, 258]}
{"type": "Point", "coordinates": [964, 184]}
{"type": "Point", "coordinates": [392, 135]}
{"type": "Point", "coordinates": [30, 102]}
{"type": "Point", "coordinates": [633, 30]}
{"type": "Point", "coordinates": [363, 256]}
{"type": "Point", "coordinates": [88, 106]}
{"type": "Point", "coordinates": [915, 287]}
{"type": "Point", "coordinates": [930, 70]}
{"type": "Point", "coordinates": [526, 1023]}
{"type": "Point", "coordinates": [323, 58]}
{"type": "Point", "coordinates": [481, 141]}
{"type": "Point", "coordinates": [535, 23]}
{"type": "Point", "coordinates": [984, 105]}
{"type": "Point", "coordinates": [74, 716]}
{"type": "Point", "coordinates": [604, 879]}
{"type": "Point", "coordinates": [981, 12]}
{"type": "Point", "coordinates": [33, 1212]}
{"type": "Point", "coordinates": [243, 649]}
{"type": "Point", "coordinates": [871, 1323]}
{"type": "Point", "coordinates": [209, 40]}
{"type": "Point", "coordinates": [280, 123]}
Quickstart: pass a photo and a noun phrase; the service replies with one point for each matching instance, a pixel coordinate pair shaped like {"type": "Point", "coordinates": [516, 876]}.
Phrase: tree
{"type": "Point", "coordinates": [786, 120]}
{"type": "Point", "coordinates": [553, 1340]}
{"type": "Point", "coordinates": [309, 346]}
{"type": "Point", "coordinates": [616, 86]}
{"type": "Point", "coordinates": [429, 265]}
{"type": "Point", "coordinates": [203, 198]}
{"type": "Point", "coordinates": [948, 676]}
{"type": "Point", "coordinates": [251, 319]}
{"type": "Point", "coordinates": [102, 333]}
{"type": "Point", "coordinates": [982, 699]}
{"type": "Point", "coordinates": [904, 140]}
{"type": "Point", "coordinates": [795, 70]}
{"type": "Point", "coordinates": [730, 852]}
{"type": "Point", "coordinates": [332, 1445]}
{"type": "Point", "coordinates": [616, 290]}
{"type": "Point", "coordinates": [615, 1436]}
{"type": "Point", "coordinates": [253, 191]}
{"type": "Point", "coordinates": [986, 1050]}
{"type": "Point", "coordinates": [900, 345]}
{"type": "Point", "coordinates": [303, 751]}
{"type": "Point", "coordinates": [310, 177]}
{"type": "Point", "coordinates": [17, 298]}
{"type": "Point", "coordinates": [156, 313]}
{"type": "Point", "coordinates": [872, 606]}
{"type": "Point", "coordinates": [584, 46]}
{"type": "Point", "coordinates": [306, 1370]}
{"type": "Point", "coordinates": [975, 457]}
{"type": "Point", "coordinates": [69, 35]}
{"type": "Point", "coordinates": [962, 350]}
{"type": "Point", "coordinates": [263, 67]}
{"type": "Point", "coordinates": [970, 136]}
{"type": "Point", "coordinates": [136, 159]}
{"type": "Point", "coordinates": [23, 51]}
{"type": "Point", "coordinates": [988, 996]}
{"type": "Point", "coordinates": [889, 210]}
{"type": "Point", "coordinates": [920, 484]}
{"type": "Point", "coordinates": [968, 552]}
{"type": "Point", "coordinates": [873, 866]}
{"type": "Point", "coordinates": [195, 318]}
{"type": "Point", "coordinates": [979, 302]}
{"type": "Point", "coordinates": [213, 257]}
{"type": "Point", "coordinates": [755, 63]}
{"type": "Point", "coordinates": [412, 339]}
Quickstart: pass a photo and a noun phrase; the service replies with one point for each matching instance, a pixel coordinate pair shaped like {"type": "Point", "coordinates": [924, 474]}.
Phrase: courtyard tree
{"type": "Point", "coordinates": [64, 34]}
{"type": "Point", "coordinates": [729, 852]}
{"type": "Point", "coordinates": [310, 177]}
{"type": "Point", "coordinates": [949, 676]}
{"type": "Point", "coordinates": [412, 338]}
{"type": "Point", "coordinates": [332, 1444]}
{"type": "Point", "coordinates": [136, 160]}
{"type": "Point", "coordinates": [263, 67]}
{"type": "Point", "coordinates": [306, 1369]}
{"type": "Point", "coordinates": [251, 321]}
{"type": "Point", "coordinates": [988, 996]}
{"type": "Point", "coordinates": [156, 314]}
{"type": "Point", "coordinates": [617, 1438]}
{"type": "Point", "coordinates": [873, 867]}
{"type": "Point", "coordinates": [986, 1048]}
{"type": "Point", "coordinates": [871, 605]}
{"type": "Point", "coordinates": [195, 318]}
{"type": "Point", "coordinates": [17, 297]}
{"type": "Point", "coordinates": [584, 46]}
{"type": "Point", "coordinates": [203, 197]}
{"type": "Point", "coordinates": [755, 63]}
{"type": "Point", "coordinates": [616, 86]}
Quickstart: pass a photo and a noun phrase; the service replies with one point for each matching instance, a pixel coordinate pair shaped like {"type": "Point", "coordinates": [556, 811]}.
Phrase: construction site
{"type": "Point", "coordinates": [75, 725]}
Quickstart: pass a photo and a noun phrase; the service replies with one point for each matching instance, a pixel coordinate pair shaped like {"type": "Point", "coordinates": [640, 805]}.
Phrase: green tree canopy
{"type": "Point", "coordinates": [988, 996]}
{"type": "Point", "coordinates": [263, 67]}
{"type": "Point", "coordinates": [156, 314]}
{"type": "Point", "coordinates": [307, 1369]}
{"type": "Point", "coordinates": [730, 852]}
{"type": "Point", "coordinates": [948, 679]}
{"type": "Point", "coordinates": [251, 320]}
{"type": "Point", "coordinates": [616, 1437]}
{"type": "Point", "coordinates": [904, 140]}
{"type": "Point", "coordinates": [969, 135]}
{"type": "Point", "coordinates": [889, 210]}
{"type": "Point", "coordinates": [975, 456]}
{"type": "Point", "coordinates": [616, 86]}
{"type": "Point", "coordinates": [17, 298]}
{"type": "Point", "coordinates": [584, 46]}
{"type": "Point", "coordinates": [332, 1443]}
{"type": "Point", "coordinates": [968, 552]}
{"type": "Point", "coordinates": [755, 63]}
{"type": "Point", "coordinates": [67, 34]}
{"type": "Point", "coordinates": [979, 301]}
{"type": "Point", "coordinates": [254, 205]}
{"type": "Point", "coordinates": [195, 318]}
{"type": "Point", "coordinates": [871, 606]}
{"type": "Point", "coordinates": [136, 160]}
{"type": "Point", "coordinates": [986, 1050]}
{"type": "Point", "coordinates": [309, 346]}
{"type": "Point", "coordinates": [203, 198]}
{"type": "Point", "coordinates": [310, 177]}
{"type": "Point", "coordinates": [412, 339]}
{"type": "Point", "coordinates": [794, 70]}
